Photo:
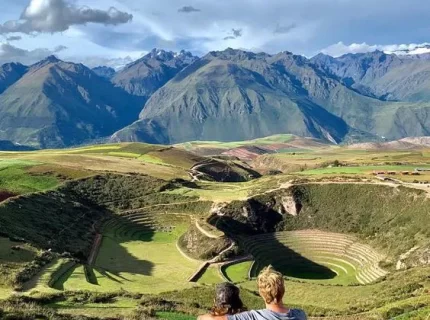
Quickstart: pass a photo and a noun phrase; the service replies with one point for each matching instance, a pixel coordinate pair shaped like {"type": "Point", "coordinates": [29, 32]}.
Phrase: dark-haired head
{"type": "Point", "coordinates": [227, 300]}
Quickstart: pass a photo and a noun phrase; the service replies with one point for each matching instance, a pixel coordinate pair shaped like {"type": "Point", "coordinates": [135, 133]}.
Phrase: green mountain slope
{"type": "Point", "coordinates": [146, 75]}
{"type": "Point", "coordinates": [232, 95]}
{"type": "Point", "coordinates": [58, 104]}
{"type": "Point", "coordinates": [237, 95]}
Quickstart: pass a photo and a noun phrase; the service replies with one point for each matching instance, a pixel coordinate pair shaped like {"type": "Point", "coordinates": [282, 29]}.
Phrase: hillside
{"type": "Point", "coordinates": [386, 76]}
{"type": "Point", "coordinates": [118, 230]}
{"type": "Point", "coordinates": [104, 72]}
{"type": "Point", "coordinates": [381, 215]}
{"type": "Point", "coordinates": [368, 97]}
{"type": "Point", "coordinates": [416, 143]}
{"type": "Point", "coordinates": [10, 73]}
{"type": "Point", "coordinates": [57, 104]}
{"type": "Point", "coordinates": [231, 87]}
{"type": "Point", "coordinates": [250, 149]}
{"type": "Point", "coordinates": [268, 94]}
{"type": "Point", "coordinates": [146, 75]}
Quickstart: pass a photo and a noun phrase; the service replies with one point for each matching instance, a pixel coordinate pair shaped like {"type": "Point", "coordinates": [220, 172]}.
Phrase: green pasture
{"type": "Point", "coordinates": [281, 138]}
{"type": "Point", "coordinates": [320, 161]}
{"type": "Point", "coordinates": [361, 169]}
{"type": "Point", "coordinates": [238, 272]}
{"type": "Point", "coordinates": [15, 178]}
{"type": "Point", "coordinates": [322, 258]}
{"type": "Point", "coordinates": [150, 263]}
{"type": "Point", "coordinates": [119, 307]}
{"type": "Point", "coordinates": [210, 276]}
{"type": "Point", "coordinates": [150, 159]}
{"type": "Point", "coordinates": [174, 316]}
{"type": "Point", "coordinates": [399, 289]}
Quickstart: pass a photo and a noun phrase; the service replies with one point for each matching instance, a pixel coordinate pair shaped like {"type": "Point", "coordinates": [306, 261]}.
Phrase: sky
{"type": "Point", "coordinates": [116, 32]}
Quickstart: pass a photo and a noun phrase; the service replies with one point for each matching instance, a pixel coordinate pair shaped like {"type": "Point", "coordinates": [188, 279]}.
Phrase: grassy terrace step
{"type": "Point", "coordinates": [322, 248]}
{"type": "Point", "coordinates": [298, 253]}
{"type": "Point", "coordinates": [359, 249]}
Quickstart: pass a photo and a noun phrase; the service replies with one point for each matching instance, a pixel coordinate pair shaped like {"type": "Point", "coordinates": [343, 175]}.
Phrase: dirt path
{"type": "Point", "coordinates": [213, 260]}
{"type": "Point", "coordinates": [289, 184]}
{"type": "Point", "coordinates": [206, 232]}
{"type": "Point", "coordinates": [184, 254]}
{"type": "Point", "coordinates": [158, 205]}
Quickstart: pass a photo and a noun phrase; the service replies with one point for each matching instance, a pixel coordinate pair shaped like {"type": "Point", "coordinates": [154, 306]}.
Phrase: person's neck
{"type": "Point", "coordinates": [277, 307]}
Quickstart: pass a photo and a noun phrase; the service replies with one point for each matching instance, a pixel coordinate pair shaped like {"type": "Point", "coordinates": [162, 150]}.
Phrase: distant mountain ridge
{"type": "Point", "coordinates": [238, 95]}
{"type": "Point", "coordinates": [57, 104]}
{"type": "Point", "coordinates": [146, 75]}
{"type": "Point", "coordinates": [104, 72]}
{"type": "Point", "coordinates": [10, 73]}
{"type": "Point", "coordinates": [166, 97]}
{"type": "Point", "coordinates": [385, 76]}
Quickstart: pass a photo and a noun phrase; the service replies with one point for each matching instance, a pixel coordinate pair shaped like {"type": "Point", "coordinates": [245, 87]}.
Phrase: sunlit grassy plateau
{"type": "Point", "coordinates": [119, 230]}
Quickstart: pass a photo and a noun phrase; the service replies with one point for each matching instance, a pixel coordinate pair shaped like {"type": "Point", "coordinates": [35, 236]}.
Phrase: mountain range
{"type": "Point", "coordinates": [229, 95]}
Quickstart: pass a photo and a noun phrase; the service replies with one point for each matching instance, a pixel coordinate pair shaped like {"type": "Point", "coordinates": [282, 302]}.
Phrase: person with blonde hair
{"type": "Point", "coordinates": [272, 289]}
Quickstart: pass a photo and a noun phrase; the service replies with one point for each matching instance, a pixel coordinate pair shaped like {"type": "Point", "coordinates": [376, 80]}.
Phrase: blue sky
{"type": "Point", "coordinates": [113, 32]}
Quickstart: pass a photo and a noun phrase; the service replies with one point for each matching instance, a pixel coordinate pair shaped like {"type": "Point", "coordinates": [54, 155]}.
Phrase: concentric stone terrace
{"type": "Point", "coordinates": [132, 226]}
{"type": "Point", "coordinates": [316, 255]}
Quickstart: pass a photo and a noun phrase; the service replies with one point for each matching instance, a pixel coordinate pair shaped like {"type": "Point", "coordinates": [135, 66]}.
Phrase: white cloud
{"type": "Point", "coordinates": [10, 53]}
{"type": "Point", "coordinates": [303, 27]}
{"type": "Point", "coordinates": [58, 15]}
{"type": "Point", "coordinates": [95, 61]}
{"type": "Point", "coordinates": [339, 49]}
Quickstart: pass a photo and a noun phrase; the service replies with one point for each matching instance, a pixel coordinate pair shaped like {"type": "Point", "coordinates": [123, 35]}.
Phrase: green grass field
{"type": "Point", "coordinates": [14, 177]}
{"type": "Point", "coordinates": [238, 272]}
{"type": "Point", "coordinates": [118, 308]}
{"type": "Point", "coordinates": [309, 256]}
{"type": "Point", "coordinates": [361, 169]}
{"type": "Point", "coordinates": [281, 138]}
{"type": "Point", "coordinates": [147, 262]}
{"type": "Point", "coordinates": [210, 276]}
{"type": "Point", "coordinates": [174, 316]}
{"type": "Point", "coordinates": [139, 253]}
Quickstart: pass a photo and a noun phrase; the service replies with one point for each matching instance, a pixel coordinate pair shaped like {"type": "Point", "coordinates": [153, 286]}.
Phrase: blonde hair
{"type": "Point", "coordinates": [271, 285]}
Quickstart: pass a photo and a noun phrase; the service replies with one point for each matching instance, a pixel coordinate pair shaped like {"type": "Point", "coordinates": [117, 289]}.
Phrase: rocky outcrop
{"type": "Point", "coordinates": [198, 246]}
{"type": "Point", "coordinates": [290, 205]}
{"type": "Point", "coordinates": [417, 256]}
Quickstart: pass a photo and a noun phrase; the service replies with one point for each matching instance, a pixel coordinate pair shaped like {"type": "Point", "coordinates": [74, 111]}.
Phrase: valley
{"type": "Point", "coordinates": [175, 98]}
{"type": "Point", "coordinates": [133, 229]}
{"type": "Point", "coordinates": [153, 150]}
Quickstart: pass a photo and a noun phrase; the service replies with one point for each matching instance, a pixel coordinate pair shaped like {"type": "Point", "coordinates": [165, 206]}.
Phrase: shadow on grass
{"type": "Point", "coordinates": [90, 275]}
{"type": "Point", "coordinates": [287, 261]}
{"type": "Point", "coordinates": [262, 219]}
{"type": "Point", "coordinates": [59, 284]}
{"type": "Point", "coordinates": [114, 259]}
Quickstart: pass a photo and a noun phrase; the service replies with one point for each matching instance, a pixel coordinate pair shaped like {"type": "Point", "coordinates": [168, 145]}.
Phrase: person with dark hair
{"type": "Point", "coordinates": [272, 289]}
{"type": "Point", "coordinates": [227, 300]}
